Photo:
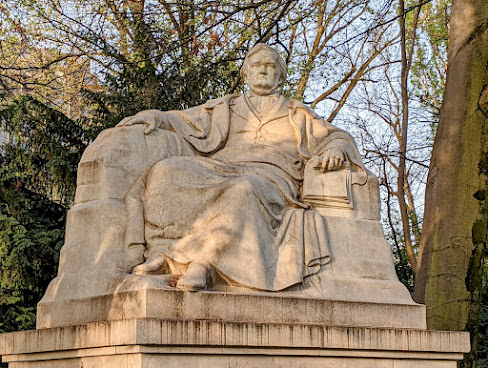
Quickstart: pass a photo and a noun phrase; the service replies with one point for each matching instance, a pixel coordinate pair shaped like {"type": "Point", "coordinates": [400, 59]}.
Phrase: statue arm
{"type": "Point", "coordinates": [328, 145]}
{"type": "Point", "coordinates": [342, 144]}
{"type": "Point", "coordinates": [151, 118]}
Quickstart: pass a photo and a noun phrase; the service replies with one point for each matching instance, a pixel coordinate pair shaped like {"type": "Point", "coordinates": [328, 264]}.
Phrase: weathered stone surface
{"type": "Point", "coordinates": [135, 343]}
{"type": "Point", "coordinates": [238, 307]}
{"type": "Point", "coordinates": [233, 358]}
{"type": "Point", "coordinates": [361, 271]}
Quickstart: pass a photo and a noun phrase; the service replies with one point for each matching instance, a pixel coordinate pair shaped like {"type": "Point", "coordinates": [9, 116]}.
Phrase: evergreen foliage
{"type": "Point", "coordinates": [31, 235]}
{"type": "Point", "coordinates": [45, 147]}
{"type": "Point", "coordinates": [37, 182]}
{"type": "Point", "coordinates": [483, 338]}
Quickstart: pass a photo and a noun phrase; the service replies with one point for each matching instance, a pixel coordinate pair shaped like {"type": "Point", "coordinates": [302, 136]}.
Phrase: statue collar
{"type": "Point", "coordinates": [243, 107]}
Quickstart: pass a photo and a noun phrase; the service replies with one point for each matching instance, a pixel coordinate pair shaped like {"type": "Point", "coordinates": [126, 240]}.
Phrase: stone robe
{"type": "Point", "coordinates": [236, 203]}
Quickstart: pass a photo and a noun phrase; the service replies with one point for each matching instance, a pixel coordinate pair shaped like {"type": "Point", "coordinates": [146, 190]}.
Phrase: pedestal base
{"type": "Point", "coordinates": [152, 343]}
{"type": "Point", "coordinates": [236, 307]}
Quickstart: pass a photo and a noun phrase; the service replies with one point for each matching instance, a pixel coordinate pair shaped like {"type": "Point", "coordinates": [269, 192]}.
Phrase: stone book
{"type": "Point", "coordinates": [328, 189]}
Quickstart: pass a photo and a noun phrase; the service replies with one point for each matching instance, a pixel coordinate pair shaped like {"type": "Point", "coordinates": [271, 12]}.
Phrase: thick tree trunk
{"type": "Point", "coordinates": [455, 222]}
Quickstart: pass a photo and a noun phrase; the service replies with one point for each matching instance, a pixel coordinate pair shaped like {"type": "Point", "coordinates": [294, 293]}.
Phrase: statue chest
{"type": "Point", "coordinates": [271, 130]}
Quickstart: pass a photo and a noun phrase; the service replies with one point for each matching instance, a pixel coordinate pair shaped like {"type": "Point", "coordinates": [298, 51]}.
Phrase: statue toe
{"type": "Point", "coordinates": [150, 267]}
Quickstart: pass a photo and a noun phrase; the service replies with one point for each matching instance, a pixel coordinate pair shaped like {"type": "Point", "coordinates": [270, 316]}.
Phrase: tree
{"type": "Point", "coordinates": [453, 244]}
{"type": "Point", "coordinates": [37, 181]}
{"type": "Point", "coordinates": [391, 110]}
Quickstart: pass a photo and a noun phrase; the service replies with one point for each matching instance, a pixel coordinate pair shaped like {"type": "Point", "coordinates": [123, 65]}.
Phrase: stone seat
{"type": "Point", "coordinates": [96, 263]}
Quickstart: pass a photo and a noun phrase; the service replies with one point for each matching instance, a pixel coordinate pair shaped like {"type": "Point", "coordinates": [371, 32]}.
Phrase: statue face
{"type": "Point", "coordinates": [263, 74]}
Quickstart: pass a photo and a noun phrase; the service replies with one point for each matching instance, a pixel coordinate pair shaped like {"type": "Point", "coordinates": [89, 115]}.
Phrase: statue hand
{"type": "Point", "coordinates": [148, 118]}
{"type": "Point", "coordinates": [331, 160]}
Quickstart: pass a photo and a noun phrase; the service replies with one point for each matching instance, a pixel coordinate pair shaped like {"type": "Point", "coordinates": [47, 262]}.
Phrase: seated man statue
{"type": "Point", "coordinates": [231, 206]}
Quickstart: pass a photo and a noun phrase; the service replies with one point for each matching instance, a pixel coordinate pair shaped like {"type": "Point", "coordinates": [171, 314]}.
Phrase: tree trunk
{"type": "Point", "coordinates": [455, 222]}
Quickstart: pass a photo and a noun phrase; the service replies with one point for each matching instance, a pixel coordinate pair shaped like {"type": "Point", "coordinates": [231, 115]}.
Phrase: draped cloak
{"type": "Point", "coordinates": [235, 202]}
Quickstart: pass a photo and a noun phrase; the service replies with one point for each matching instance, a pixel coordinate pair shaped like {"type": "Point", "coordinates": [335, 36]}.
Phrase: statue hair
{"type": "Point", "coordinates": [259, 47]}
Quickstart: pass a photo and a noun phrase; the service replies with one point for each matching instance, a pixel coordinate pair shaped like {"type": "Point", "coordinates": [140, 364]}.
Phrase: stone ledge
{"type": "Point", "coordinates": [230, 307]}
{"type": "Point", "coordinates": [164, 333]}
{"type": "Point", "coordinates": [208, 350]}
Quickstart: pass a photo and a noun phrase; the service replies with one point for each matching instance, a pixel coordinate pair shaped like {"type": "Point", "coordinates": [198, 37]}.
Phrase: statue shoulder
{"type": "Point", "coordinates": [300, 107]}
{"type": "Point", "coordinates": [210, 104]}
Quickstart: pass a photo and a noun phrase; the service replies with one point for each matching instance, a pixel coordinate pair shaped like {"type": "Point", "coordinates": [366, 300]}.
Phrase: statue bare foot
{"type": "Point", "coordinates": [150, 267]}
{"type": "Point", "coordinates": [196, 277]}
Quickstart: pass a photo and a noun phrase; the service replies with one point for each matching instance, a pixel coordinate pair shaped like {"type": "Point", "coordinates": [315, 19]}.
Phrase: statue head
{"type": "Point", "coordinates": [264, 70]}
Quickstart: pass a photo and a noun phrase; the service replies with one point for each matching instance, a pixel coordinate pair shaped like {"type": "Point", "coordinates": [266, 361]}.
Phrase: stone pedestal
{"type": "Point", "coordinates": [163, 328]}
{"type": "Point", "coordinates": [262, 307]}
{"type": "Point", "coordinates": [157, 343]}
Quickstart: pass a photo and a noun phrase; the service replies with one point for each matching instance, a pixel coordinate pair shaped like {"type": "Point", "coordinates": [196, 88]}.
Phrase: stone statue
{"type": "Point", "coordinates": [254, 198]}
{"type": "Point", "coordinates": [233, 209]}
{"type": "Point", "coordinates": [248, 194]}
